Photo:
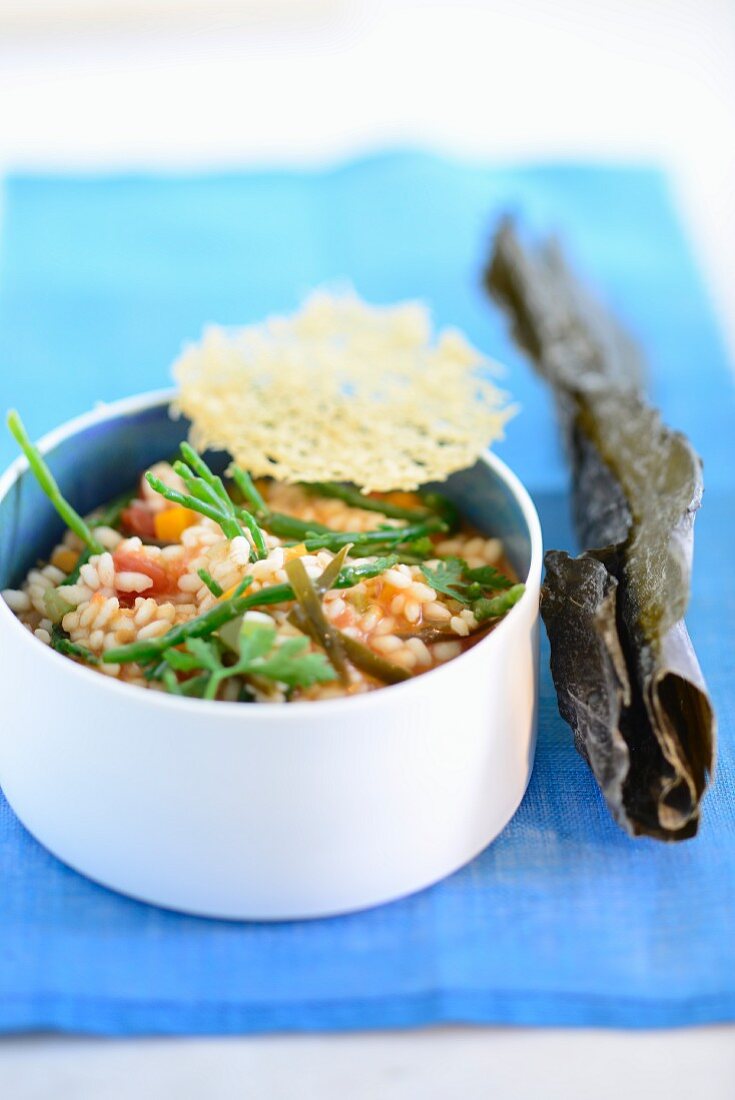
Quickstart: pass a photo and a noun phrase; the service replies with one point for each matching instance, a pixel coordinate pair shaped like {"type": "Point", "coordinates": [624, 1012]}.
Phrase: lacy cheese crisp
{"type": "Point", "coordinates": [342, 391]}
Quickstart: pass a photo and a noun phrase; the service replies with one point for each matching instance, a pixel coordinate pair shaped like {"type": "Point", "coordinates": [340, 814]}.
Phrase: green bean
{"type": "Point", "coordinates": [384, 537]}
{"type": "Point", "coordinates": [289, 527]}
{"type": "Point", "coordinates": [246, 485]}
{"type": "Point", "coordinates": [46, 480]}
{"type": "Point", "coordinates": [310, 604]}
{"type": "Point", "coordinates": [356, 499]}
{"type": "Point", "coordinates": [443, 507]}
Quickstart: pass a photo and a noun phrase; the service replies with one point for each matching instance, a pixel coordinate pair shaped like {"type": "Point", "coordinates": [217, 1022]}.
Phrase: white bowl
{"type": "Point", "coordinates": [259, 811]}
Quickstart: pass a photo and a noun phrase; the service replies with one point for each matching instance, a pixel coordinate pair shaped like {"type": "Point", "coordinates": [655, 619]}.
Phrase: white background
{"type": "Point", "coordinates": [189, 82]}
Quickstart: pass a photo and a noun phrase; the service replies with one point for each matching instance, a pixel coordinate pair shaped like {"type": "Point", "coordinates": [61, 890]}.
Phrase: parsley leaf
{"type": "Point", "coordinates": [489, 577]}
{"type": "Point", "coordinates": [259, 655]}
{"type": "Point", "coordinates": [498, 605]}
{"type": "Point", "coordinates": [453, 577]}
{"type": "Point", "coordinates": [447, 578]}
{"type": "Point", "coordinates": [290, 665]}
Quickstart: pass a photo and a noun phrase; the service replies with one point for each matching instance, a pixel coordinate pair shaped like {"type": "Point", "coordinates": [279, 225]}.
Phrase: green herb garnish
{"type": "Point", "coordinates": [447, 577]}
{"type": "Point", "coordinates": [259, 655]}
{"type": "Point", "coordinates": [484, 609]}
{"type": "Point", "coordinates": [452, 577]}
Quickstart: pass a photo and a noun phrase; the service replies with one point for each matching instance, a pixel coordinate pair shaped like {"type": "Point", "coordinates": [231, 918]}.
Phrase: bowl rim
{"type": "Point", "coordinates": [293, 712]}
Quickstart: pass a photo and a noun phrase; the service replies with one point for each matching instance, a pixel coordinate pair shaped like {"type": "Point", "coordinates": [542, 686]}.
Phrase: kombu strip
{"type": "Point", "coordinates": [626, 675]}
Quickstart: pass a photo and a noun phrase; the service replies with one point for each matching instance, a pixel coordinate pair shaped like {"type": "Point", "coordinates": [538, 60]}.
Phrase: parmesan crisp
{"type": "Point", "coordinates": [342, 391]}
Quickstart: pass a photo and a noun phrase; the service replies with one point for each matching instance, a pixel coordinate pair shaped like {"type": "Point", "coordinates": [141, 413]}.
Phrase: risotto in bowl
{"type": "Point", "coordinates": [249, 699]}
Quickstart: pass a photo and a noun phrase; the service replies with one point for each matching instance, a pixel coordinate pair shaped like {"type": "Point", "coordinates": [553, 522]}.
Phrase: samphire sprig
{"type": "Point", "coordinates": [436, 510]}
{"type": "Point", "coordinates": [47, 481]}
{"type": "Point", "coordinates": [207, 495]}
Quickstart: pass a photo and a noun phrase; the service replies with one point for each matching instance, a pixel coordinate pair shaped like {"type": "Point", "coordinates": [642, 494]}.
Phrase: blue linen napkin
{"type": "Point", "coordinates": [564, 919]}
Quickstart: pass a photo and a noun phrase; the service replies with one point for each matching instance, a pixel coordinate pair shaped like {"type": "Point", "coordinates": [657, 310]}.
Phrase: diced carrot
{"type": "Point", "coordinates": [291, 552]}
{"type": "Point", "coordinates": [64, 559]}
{"type": "Point", "coordinates": [171, 522]}
{"type": "Point", "coordinates": [399, 497]}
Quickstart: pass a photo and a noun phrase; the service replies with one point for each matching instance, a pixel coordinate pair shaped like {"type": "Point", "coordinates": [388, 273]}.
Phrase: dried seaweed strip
{"type": "Point", "coordinates": [625, 671]}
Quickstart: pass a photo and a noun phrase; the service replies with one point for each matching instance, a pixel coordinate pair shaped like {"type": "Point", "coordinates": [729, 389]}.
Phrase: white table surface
{"type": "Point", "coordinates": [120, 83]}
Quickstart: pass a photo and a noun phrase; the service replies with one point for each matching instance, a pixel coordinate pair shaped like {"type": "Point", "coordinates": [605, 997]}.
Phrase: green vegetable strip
{"type": "Point", "coordinates": [289, 527]}
{"type": "Point", "coordinates": [356, 499]}
{"type": "Point", "coordinates": [199, 466]}
{"type": "Point", "coordinates": [363, 658]}
{"type": "Point", "coordinates": [84, 557]}
{"type": "Point", "coordinates": [353, 574]}
{"type": "Point", "coordinates": [329, 576]}
{"type": "Point", "coordinates": [110, 515]}
{"type": "Point", "coordinates": [205, 576]}
{"type": "Point", "coordinates": [63, 644]}
{"type": "Point", "coordinates": [198, 487]}
{"type": "Point", "coordinates": [230, 527]}
{"type": "Point", "coordinates": [360, 655]}
{"type": "Point", "coordinates": [311, 605]}
{"type": "Point", "coordinates": [246, 485]}
{"type": "Point", "coordinates": [492, 609]}
{"type": "Point", "coordinates": [445, 508]}
{"type": "Point", "coordinates": [217, 487]}
{"type": "Point", "coordinates": [387, 537]}
{"type": "Point", "coordinates": [244, 583]}
{"type": "Point", "coordinates": [261, 550]}
{"type": "Point", "coordinates": [46, 480]}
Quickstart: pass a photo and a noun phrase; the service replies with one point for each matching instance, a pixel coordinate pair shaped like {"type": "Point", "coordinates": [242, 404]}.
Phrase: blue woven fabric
{"type": "Point", "coordinates": [564, 919]}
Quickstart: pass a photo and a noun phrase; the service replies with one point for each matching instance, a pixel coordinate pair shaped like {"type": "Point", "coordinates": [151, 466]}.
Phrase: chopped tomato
{"type": "Point", "coordinates": [139, 519]}
{"type": "Point", "coordinates": [132, 561]}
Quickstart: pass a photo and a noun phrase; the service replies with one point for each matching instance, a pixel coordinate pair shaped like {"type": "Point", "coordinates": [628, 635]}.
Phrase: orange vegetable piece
{"type": "Point", "coordinates": [64, 559]}
{"type": "Point", "coordinates": [171, 522]}
{"type": "Point", "coordinates": [291, 552]}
